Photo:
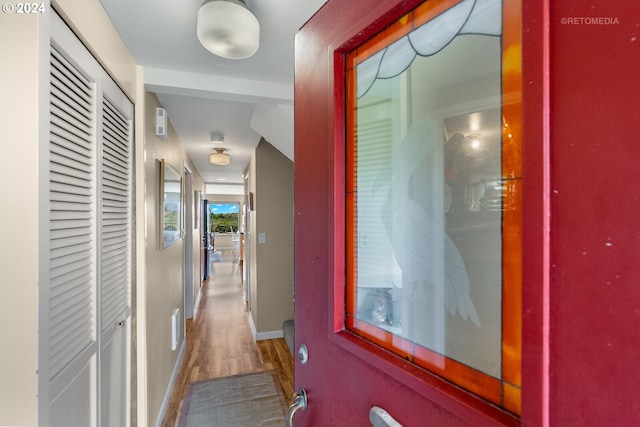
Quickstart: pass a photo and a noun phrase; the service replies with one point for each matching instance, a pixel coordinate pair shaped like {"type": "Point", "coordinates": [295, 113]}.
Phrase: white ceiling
{"type": "Point", "coordinates": [203, 93]}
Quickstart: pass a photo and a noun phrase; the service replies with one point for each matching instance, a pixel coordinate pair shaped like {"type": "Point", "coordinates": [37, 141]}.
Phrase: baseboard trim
{"type": "Point", "coordinates": [269, 335]}
{"type": "Point", "coordinates": [259, 336]}
{"type": "Point", "coordinates": [167, 394]}
{"type": "Point", "coordinates": [252, 324]}
{"type": "Point", "coordinates": [197, 303]}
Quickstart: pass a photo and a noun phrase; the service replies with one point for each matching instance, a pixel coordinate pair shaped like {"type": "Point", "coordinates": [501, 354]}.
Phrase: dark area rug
{"type": "Point", "coordinates": [247, 400]}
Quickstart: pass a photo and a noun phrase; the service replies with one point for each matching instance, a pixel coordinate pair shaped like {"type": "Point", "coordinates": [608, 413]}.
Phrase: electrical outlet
{"type": "Point", "coordinates": [262, 238]}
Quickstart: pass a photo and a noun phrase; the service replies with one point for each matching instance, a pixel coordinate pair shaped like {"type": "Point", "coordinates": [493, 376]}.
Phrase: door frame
{"type": "Point", "coordinates": [206, 237]}
{"type": "Point", "coordinates": [319, 194]}
{"type": "Point", "coordinates": [189, 299]}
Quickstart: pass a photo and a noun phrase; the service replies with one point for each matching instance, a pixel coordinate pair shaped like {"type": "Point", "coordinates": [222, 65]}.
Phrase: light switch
{"type": "Point", "coordinates": [262, 237]}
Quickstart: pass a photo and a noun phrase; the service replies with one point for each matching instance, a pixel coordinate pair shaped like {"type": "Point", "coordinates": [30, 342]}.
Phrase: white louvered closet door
{"type": "Point", "coordinates": [115, 253]}
{"type": "Point", "coordinates": [86, 302]}
{"type": "Point", "coordinates": [72, 214]}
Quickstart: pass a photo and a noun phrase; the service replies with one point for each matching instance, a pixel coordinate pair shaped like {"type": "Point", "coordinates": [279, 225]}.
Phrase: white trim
{"type": "Point", "coordinates": [167, 393]}
{"type": "Point", "coordinates": [259, 336]}
{"type": "Point", "coordinates": [140, 259]}
{"type": "Point", "coordinates": [252, 324]}
{"type": "Point", "coordinates": [225, 189]}
{"type": "Point", "coordinates": [197, 303]}
{"type": "Point", "coordinates": [216, 87]}
{"type": "Point", "coordinates": [42, 191]}
{"type": "Point", "coordinates": [270, 335]}
{"type": "Point", "coordinates": [188, 253]}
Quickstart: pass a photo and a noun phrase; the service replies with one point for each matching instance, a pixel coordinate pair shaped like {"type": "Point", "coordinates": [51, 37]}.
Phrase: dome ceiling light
{"type": "Point", "coordinates": [228, 29]}
{"type": "Point", "coordinates": [219, 157]}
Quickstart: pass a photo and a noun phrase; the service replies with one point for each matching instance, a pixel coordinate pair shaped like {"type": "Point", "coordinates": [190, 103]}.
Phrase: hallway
{"type": "Point", "coordinates": [219, 340]}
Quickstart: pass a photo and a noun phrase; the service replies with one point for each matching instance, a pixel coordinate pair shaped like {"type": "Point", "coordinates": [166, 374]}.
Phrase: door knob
{"type": "Point", "coordinates": [299, 402]}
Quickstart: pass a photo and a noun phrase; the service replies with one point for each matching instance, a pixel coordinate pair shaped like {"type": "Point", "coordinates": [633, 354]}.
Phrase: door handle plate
{"type": "Point", "coordinates": [303, 354]}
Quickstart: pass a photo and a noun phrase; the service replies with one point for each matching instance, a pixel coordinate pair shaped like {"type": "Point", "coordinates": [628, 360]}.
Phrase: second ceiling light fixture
{"type": "Point", "coordinates": [219, 157]}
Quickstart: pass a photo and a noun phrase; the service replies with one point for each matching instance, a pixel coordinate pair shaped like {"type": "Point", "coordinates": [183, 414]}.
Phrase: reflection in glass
{"type": "Point", "coordinates": [170, 204]}
{"type": "Point", "coordinates": [429, 191]}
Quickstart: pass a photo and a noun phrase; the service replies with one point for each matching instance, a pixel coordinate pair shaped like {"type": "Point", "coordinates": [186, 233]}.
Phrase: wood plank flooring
{"type": "Point", "coordinates": [219, 341]}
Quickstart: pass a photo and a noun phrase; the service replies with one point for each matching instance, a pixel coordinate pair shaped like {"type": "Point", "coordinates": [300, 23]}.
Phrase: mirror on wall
{"type": "Point", "coordinates": [170, 205]}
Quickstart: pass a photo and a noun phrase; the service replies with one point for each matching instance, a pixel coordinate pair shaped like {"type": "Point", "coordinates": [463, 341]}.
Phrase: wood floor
{"type": "Point", "coordinates": [219, 341]}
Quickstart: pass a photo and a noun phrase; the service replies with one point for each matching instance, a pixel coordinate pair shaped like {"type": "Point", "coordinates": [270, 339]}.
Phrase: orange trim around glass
{"type": "Point", "coordinates": [506, 391]}
{"type": "Point", "coordinates": [512, 214]}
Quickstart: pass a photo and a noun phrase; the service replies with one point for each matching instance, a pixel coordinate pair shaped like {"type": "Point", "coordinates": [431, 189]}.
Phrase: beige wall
{"type": "Point", "coordinates": [90, 22]}
{"type": "Point", "coordinates": [164, 267]}
{"type": "Point", "coordinates": [272, 284]}
{"type": "Point", "coordinates": [23, 47]}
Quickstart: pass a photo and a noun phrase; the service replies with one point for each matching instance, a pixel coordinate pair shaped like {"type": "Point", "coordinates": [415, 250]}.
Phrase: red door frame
{"type": "Point", "coordinates": [536, 216]}
{"type": "Point", "coordinates": [346, 375]}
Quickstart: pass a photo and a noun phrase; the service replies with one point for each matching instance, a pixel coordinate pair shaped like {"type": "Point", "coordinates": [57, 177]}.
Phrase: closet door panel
{"type": "Point", "coordinates": [70, 356]}
{"type": "Point", "coordinates": [72, 249]}
{"type": "Point", "coordinates": [115, 253]}
{"type": "Point", "coordinates": [115, 227]}
{"type": "Point", "coordinates": [114, 404]}
{"type": "Point", "coordinates": [73, 406]}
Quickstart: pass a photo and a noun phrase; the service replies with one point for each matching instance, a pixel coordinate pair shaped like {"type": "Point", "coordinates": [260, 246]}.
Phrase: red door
{"type": "Point", "coordinates": [408, 200]}
{"type": "Point", "coordinates": [418, 289]}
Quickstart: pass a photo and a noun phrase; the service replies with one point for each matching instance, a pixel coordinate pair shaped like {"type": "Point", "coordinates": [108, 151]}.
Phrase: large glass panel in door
{"type": "Point", "coordinates": [433, 195]}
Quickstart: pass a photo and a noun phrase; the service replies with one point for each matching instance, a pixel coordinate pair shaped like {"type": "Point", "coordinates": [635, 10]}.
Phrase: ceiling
{"type": "Point", "coordinates": [202, 93]}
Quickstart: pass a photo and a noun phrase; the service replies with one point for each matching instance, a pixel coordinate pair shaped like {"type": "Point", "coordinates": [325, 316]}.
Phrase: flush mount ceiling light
{"type": "Point", "coordinates": [228, 29]}
{"type": "Point", "coordinates": [216, 138]}
{"type": "Point", "coordinates": [219, 157]}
